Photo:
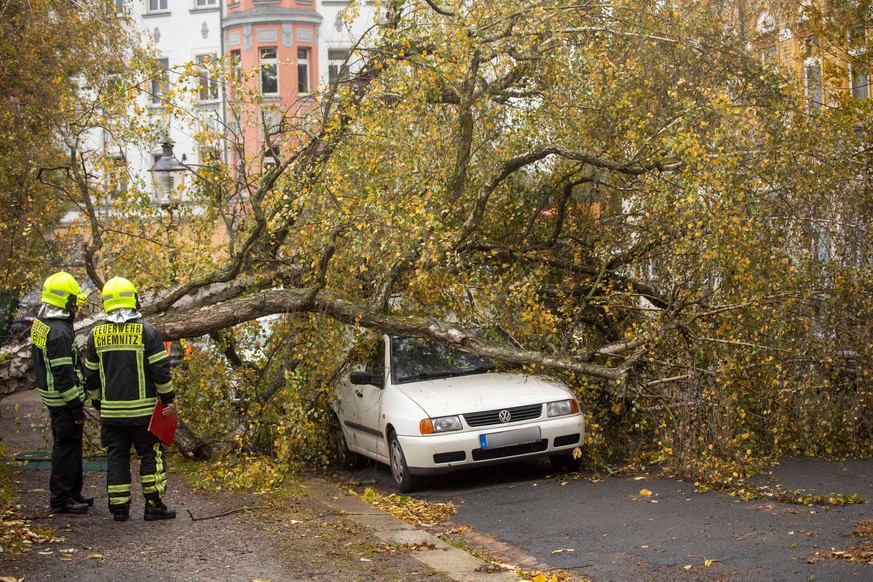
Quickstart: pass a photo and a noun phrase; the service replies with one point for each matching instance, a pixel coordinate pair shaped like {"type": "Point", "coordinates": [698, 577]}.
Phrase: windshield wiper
{"type": "Point", "coordinates": [479, 370]}
{"type": "Point", "coordinates": [449, 374]}
{"type": "Point", "coordinates": [427, 376]}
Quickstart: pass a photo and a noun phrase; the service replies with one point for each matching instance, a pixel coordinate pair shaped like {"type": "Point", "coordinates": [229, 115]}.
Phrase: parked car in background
{"type": "Point", "coordinates": [19, 329]}
{"type": "Point", "coordinates": [425, 408]}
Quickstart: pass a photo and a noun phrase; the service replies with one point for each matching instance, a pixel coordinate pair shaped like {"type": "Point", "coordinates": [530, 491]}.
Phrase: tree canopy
{"type": "Point", "coordinates": [647, 209]}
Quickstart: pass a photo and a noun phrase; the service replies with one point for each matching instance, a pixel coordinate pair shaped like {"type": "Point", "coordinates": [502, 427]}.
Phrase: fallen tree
{"type": "Point", "coordinates": [618, 189]}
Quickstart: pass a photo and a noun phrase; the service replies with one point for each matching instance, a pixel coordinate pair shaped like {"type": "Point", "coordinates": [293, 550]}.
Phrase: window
{"type": "Point", "coordinates": [158, 5]}
{"type": "Point", "coordinates": [859, 85]}
{"type": "Point", "coordinates": [160, 83]}
{"type": "Point", "coordinates": [337, 68]}
{"type": "Point", "coordinates": [210, 130]}
{"type": "Point", "coordinates": [271, 119]}
{"type": "Point", "coordinates": [813, 85]}
{"type": "Point", "coordinates": [810, 45]}
{"type": "Point", "coordinates": [857, 37]}
{"type": "Point", "coordinates": [112, 80]}
{"type": "Point", "coordinates": [269, 71]}
{"type": "Point", "coordinates": [271, 155]}
{"type": "Point", "coordinates": [766, 23]}
{"type": "Point", "coordinates": [375, 362]}
{"type": "Point", "coordinates": [411, 358]}
{"type": "Point", "coordinates": [205, 3]}
{"type": "Point", "coordinates": [116, 177]}
{"type": "Point", "coordinates": [210, 127]}
{"type": "Point", "coordinates": [235, 64]}
{"type": "Point", "coordinates": [768, 56]}
{"type": "Point", "coordinates": [208, 87]}
{"type": "Point", "coordinates": [303, 70]}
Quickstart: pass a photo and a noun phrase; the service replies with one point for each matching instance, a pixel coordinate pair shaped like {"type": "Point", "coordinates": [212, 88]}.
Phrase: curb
{"type": "Point", "coordinates": [445, 558]}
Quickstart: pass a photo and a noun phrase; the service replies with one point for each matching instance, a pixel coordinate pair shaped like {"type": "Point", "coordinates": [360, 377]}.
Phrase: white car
{"type": "Point", "coordinates": [424, 408]}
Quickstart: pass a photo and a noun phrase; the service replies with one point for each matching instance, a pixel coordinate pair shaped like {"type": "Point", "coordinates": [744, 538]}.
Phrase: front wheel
{"type": "Point", "coordinates": [566, 462]}
{"type": "Point", "coordinates": [399, 469]}
{"type": "Point", "coordinates": [344, 457]}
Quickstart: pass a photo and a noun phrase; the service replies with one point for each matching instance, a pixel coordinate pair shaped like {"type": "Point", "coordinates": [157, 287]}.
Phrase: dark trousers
{"type": "Point", "coordinates": [66, 478]}
{"type": "Point", "coordinates": [152, 468]}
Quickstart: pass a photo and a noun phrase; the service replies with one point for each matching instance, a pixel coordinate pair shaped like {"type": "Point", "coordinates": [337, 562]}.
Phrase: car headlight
{"type": "Point", "coordinates": [439, 424]}
{"type": "Point", "coordinates": [562, 407]}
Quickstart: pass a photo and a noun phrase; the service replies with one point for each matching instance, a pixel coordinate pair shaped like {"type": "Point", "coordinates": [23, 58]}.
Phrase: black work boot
{"type": "Point", "coordinates": [120, 512]}
{"type": "Point", "coordinates": [79, 498]}
{"type": "Point", "coordinates": [157, 510]}
{"type": "Point", "coordinates": [70, 506]}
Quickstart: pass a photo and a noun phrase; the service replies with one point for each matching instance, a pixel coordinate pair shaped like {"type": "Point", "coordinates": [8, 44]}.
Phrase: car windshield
{"type": "Point", "coordinates": [420, 359]}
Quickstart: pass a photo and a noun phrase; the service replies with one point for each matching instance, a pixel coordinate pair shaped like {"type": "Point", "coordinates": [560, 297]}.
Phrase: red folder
{"type": "Point", "coordinates": [163, 427]}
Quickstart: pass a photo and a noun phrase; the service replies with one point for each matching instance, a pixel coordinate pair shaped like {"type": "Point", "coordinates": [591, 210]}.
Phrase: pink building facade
{"type": "Point", "coordinates": [277, 39]}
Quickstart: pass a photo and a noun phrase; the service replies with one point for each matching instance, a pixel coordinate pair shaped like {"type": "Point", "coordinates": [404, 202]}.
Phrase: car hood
{"type": "Point", "coordinates": [480, 392]}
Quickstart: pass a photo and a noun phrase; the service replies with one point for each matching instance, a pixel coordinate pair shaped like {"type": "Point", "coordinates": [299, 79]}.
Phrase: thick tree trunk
{"type": "Point", "coordinates": [16, 371]}
{"type": "Point", "coordinates": [214, 313]}
{"type": "Point", "coordinates": [190, 445]}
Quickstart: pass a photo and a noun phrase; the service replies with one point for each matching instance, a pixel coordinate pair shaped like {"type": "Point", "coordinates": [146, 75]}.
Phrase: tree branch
{"type": "Point", "coordinates": [228, 313]}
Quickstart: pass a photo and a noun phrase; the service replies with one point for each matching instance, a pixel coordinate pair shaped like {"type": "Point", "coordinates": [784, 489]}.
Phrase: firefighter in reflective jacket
{"type": "Point", "coordinates": [58, 371]}
{"type": "Point", "coordinates": [127, 369]}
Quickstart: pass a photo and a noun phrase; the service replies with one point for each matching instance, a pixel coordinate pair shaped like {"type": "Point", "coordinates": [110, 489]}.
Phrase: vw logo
{"type": "Point", "coordinates": [504, 416]}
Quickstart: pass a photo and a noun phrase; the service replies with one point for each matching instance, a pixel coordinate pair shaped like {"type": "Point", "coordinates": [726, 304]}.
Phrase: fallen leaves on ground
{"type": "Point", "coordinates": [795, 496]}
{"type": "Point", "coordinates": [864, 529]}
{"type": "Point", "coordinates": [17, 534]}
{"type": "Point", "coordinates": [394, 549]}
{"type": "Point", "coordinates": [861, 553]}
{"type": "Point", "coordinates": [411, 510]}
{"type": "Point", "coordinates": [494, 568]}
{"type": "Point", "coordinates": [707, 562]}
{"type": "Point", "coordinates": [552, 576]}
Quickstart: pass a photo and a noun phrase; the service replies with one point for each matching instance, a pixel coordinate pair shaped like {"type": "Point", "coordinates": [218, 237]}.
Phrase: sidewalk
{"type": "Point", "coordinates": [454, 562]}
{"type": "Point", "coordinates": [327, 534]}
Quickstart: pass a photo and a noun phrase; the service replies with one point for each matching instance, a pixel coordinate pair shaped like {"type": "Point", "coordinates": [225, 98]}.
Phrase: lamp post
{"type": "Point", "coordinates": [168, 177]}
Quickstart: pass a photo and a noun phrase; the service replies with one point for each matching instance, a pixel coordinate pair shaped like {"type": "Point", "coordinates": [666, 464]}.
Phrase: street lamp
{"type": "Point", "coordinates": [168, 177]}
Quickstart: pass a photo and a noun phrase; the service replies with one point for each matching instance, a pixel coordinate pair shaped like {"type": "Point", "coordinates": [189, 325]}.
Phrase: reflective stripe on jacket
{"type": "Point", "coordinates": [57, 364]}
{"type": "Point", "coordinates": [126, 370]}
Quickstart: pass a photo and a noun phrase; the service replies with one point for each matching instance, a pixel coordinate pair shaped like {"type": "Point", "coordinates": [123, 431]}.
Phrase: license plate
{"type": "Point", "coordinates": [509, 437]}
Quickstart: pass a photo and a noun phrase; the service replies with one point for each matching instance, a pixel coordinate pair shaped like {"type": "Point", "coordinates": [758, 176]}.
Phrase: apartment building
{"type": "Point", "coordinates": [295, 49]}
{"type": "Point", "coordinates": [827, 52]}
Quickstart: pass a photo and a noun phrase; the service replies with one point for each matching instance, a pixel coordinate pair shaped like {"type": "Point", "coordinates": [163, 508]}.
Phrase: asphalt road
{"type": "Point", "coordinates": [606, 530]}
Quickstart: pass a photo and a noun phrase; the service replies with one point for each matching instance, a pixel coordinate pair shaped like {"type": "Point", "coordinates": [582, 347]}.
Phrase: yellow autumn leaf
{"type": "Point", "coordinates": [645, 493]}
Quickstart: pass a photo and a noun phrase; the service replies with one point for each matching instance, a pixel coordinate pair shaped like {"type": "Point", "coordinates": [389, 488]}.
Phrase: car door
{"type": "Point", "coordinates": [363, 402]}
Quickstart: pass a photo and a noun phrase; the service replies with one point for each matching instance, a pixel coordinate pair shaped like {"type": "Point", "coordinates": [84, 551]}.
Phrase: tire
{"type": "Point", "coordinates": [344, 457]}
{"type": "Point", "coordinates": [566, 462]}
{"type": "Point", "coordinates": [405, 481]}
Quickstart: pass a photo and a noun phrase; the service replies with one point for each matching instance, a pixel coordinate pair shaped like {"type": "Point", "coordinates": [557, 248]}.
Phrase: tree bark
{"type": "Point", "coordinates": [16, 369]}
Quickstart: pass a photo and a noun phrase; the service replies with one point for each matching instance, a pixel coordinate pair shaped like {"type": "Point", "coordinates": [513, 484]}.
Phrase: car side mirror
{"type": "Point", "coordinates": [359, 378]}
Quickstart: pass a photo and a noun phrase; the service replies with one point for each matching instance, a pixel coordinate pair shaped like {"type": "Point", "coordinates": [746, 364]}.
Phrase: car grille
{"type": "Point", "coordinates": [511, 451]}
{"type": "Point", "coordinates": [492, 416]}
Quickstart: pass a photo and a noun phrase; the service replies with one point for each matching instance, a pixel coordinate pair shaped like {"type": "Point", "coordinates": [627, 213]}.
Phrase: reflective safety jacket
{"type": "Point", "coordinates": [57, 365]}
{"type": "Point", "coordinates": [126, 370]}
